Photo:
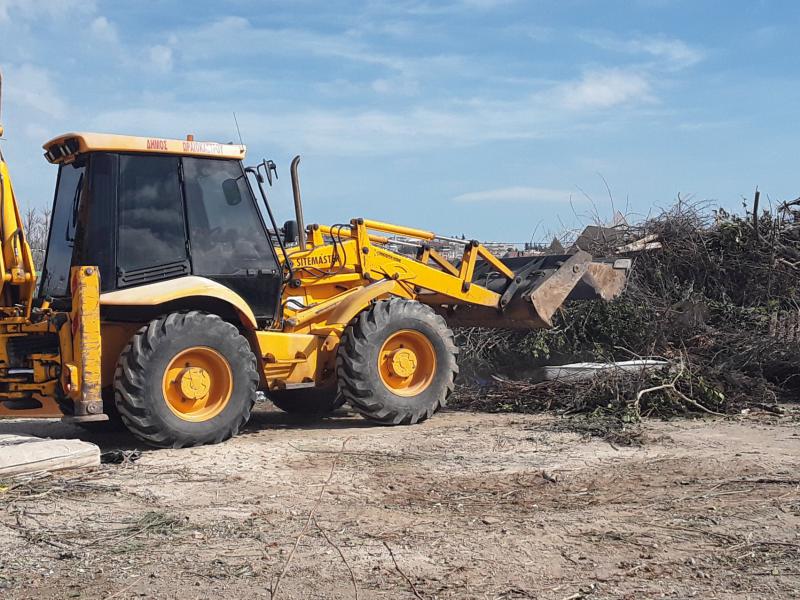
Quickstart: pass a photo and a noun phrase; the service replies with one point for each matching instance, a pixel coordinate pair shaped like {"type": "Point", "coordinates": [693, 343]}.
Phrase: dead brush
{"type": "Point", "coordinates": [35, 487]}
{"type": "Point", "coordinates": [609, 405]}
{"type": "Point", "coordinates": [130, 537]}
{"type": "Point", "coordinates": [717, 301]}
{"type": "Point", "coordinates": [154, 521]}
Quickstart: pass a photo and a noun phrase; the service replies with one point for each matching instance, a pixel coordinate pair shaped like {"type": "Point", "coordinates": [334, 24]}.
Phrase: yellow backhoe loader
{"type": "Point", "coordinates": [169, 295]}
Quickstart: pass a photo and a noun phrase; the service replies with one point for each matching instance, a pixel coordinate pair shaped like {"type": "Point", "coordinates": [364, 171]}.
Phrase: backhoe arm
{"type": "Point", "coordinates": [17, 271]}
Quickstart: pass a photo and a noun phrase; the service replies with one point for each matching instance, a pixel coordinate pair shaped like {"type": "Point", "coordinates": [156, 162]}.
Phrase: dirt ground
{"type": "Point", "coordinates": [463, 506]}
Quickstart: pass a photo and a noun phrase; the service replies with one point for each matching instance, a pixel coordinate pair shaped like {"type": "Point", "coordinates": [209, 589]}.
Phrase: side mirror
{"type": "Point", "coordinates": [233, 195]}
{"type": "Point", "coordinates": [290, 232]}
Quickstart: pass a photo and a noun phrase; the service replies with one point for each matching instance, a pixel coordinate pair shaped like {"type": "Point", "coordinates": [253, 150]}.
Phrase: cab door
{"type": "Point", "coordinates": [151, 238]}
{"type": "Point", "coordinates": [228, 240]}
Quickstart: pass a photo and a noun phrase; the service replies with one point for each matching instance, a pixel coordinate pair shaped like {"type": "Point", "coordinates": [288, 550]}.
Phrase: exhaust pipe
{"type": "Point", "coordinates": [298, 204]}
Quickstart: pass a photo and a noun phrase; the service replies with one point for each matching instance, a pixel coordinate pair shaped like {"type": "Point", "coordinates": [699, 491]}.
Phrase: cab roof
{"type": "Point", "coordinates": [64, 148]}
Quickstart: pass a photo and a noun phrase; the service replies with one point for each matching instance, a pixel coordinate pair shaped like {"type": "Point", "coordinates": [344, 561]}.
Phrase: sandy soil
{"type": "Point", "coordinates": [464, 506]}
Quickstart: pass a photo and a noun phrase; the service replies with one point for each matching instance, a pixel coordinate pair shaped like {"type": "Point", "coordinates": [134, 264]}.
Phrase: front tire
{"type": "Point", "coordinates": [186, 379]}
{"type": "Point", "coordinates": [396, 363]}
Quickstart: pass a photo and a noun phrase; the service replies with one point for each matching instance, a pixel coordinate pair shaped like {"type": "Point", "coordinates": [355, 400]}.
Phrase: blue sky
{"type": "Point", "coordinates": [499, 119]}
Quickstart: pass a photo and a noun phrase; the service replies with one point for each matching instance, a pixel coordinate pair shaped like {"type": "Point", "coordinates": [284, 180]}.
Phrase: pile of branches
{"type": "Point", "coordinates": [720, 300]}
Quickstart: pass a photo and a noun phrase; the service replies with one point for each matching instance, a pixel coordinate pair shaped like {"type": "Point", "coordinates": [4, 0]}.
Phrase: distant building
{"type": "Point", "coordinates": [453, 251]}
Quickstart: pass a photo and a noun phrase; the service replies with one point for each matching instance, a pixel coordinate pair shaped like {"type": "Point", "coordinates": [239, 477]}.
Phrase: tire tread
{"type": "Point", "coordinates": [353, 372]}
{"type": "Point", "coordinates": [132, 372]}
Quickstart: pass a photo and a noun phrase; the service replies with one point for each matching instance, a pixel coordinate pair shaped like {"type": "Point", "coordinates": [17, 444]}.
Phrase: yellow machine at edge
{"type": "Point", "coordinates": [169, 296]}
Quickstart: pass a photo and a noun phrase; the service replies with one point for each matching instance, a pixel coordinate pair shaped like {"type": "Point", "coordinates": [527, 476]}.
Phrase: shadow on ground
{"type": "Point", "coordinates": [264, 417]}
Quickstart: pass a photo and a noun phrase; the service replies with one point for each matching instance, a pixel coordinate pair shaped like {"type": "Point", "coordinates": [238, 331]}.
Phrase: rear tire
{"type": "Point", "coordinates": [308, 401]}
{"type": "Point", "coordinates": [186, 379]}
{"type": "Point", "coordinates": [396, 363]}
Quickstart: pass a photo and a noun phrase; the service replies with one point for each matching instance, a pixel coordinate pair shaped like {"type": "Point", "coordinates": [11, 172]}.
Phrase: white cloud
{"type": "Point", "coordinates": [527, 195]}
{"type": "Point", "coordinates": [337, 132]}
{"type": "Point", "coordinates": [35, 131]}
{"type": "Point", "coordinates": [104, 30]}
{"type": "Point", "coordinates": [536, 33]}
{"type": "Point", "coordinates": [604, 88]}
{"type": "Point", "coordinates": [203, 43]}
{"type": "Point", "coordinates": [694, 126]}
{"type": "Point", "coordinates": [486, 4]}
{"type": "Point", "coordinates": [32, 87]}
{"type": "Point", "coordinates": [768, 34]}
{"type": "Point", "coordinates": [161, 58]}
{"type": "Point", "coordinates": [558, 109]}
{"type": "Point", "coordinates": [422, 8]}
{"type": "Point", "coordinates": [674, 53]}
{"type": "Point", "coordinates": [347, 121]}
{"type": "Point", "coordinates": [395, 86]}
{"type": "Point", "coordinates": [677, 52]}
{"type": "Point", "coordinates": [39, 9]}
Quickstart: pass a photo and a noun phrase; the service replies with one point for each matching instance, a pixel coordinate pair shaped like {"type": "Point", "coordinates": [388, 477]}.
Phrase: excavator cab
{"type": "Point", "coordinates": [143, 218]}
{"type": "Point", "coordinates": [143, 232]}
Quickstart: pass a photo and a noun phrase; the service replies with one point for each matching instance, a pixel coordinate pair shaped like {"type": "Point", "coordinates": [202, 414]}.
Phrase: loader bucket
{"type": "Point", "coordinates": [543, 284]}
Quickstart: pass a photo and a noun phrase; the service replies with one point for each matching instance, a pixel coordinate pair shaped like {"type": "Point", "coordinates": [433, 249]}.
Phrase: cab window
{"type": "Point", "coordinates": [60, 242]}
{"type": "Point", "coordinates": [226, 233]}
{"type": "Point", "coordinates": [150, 213]}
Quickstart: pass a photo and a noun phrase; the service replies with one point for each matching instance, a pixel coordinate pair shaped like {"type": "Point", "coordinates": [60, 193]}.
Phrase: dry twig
{"type": "Point", "coordinates": [671, 387]}
{"type": "Point", "coordinates": [344, 560]}
{"type": "Point", "coordinates": [274, 591]}
{"type": "Point", "coordinates": [399, 570]}
{"type": "Point", "coordinates": [119, 593]}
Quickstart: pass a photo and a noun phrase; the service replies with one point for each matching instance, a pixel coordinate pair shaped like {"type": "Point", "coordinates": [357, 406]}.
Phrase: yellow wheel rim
{"type": "Point", "coordinates": [197, 384]}
{"type": "Point", "coordinates": [407, 362]}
